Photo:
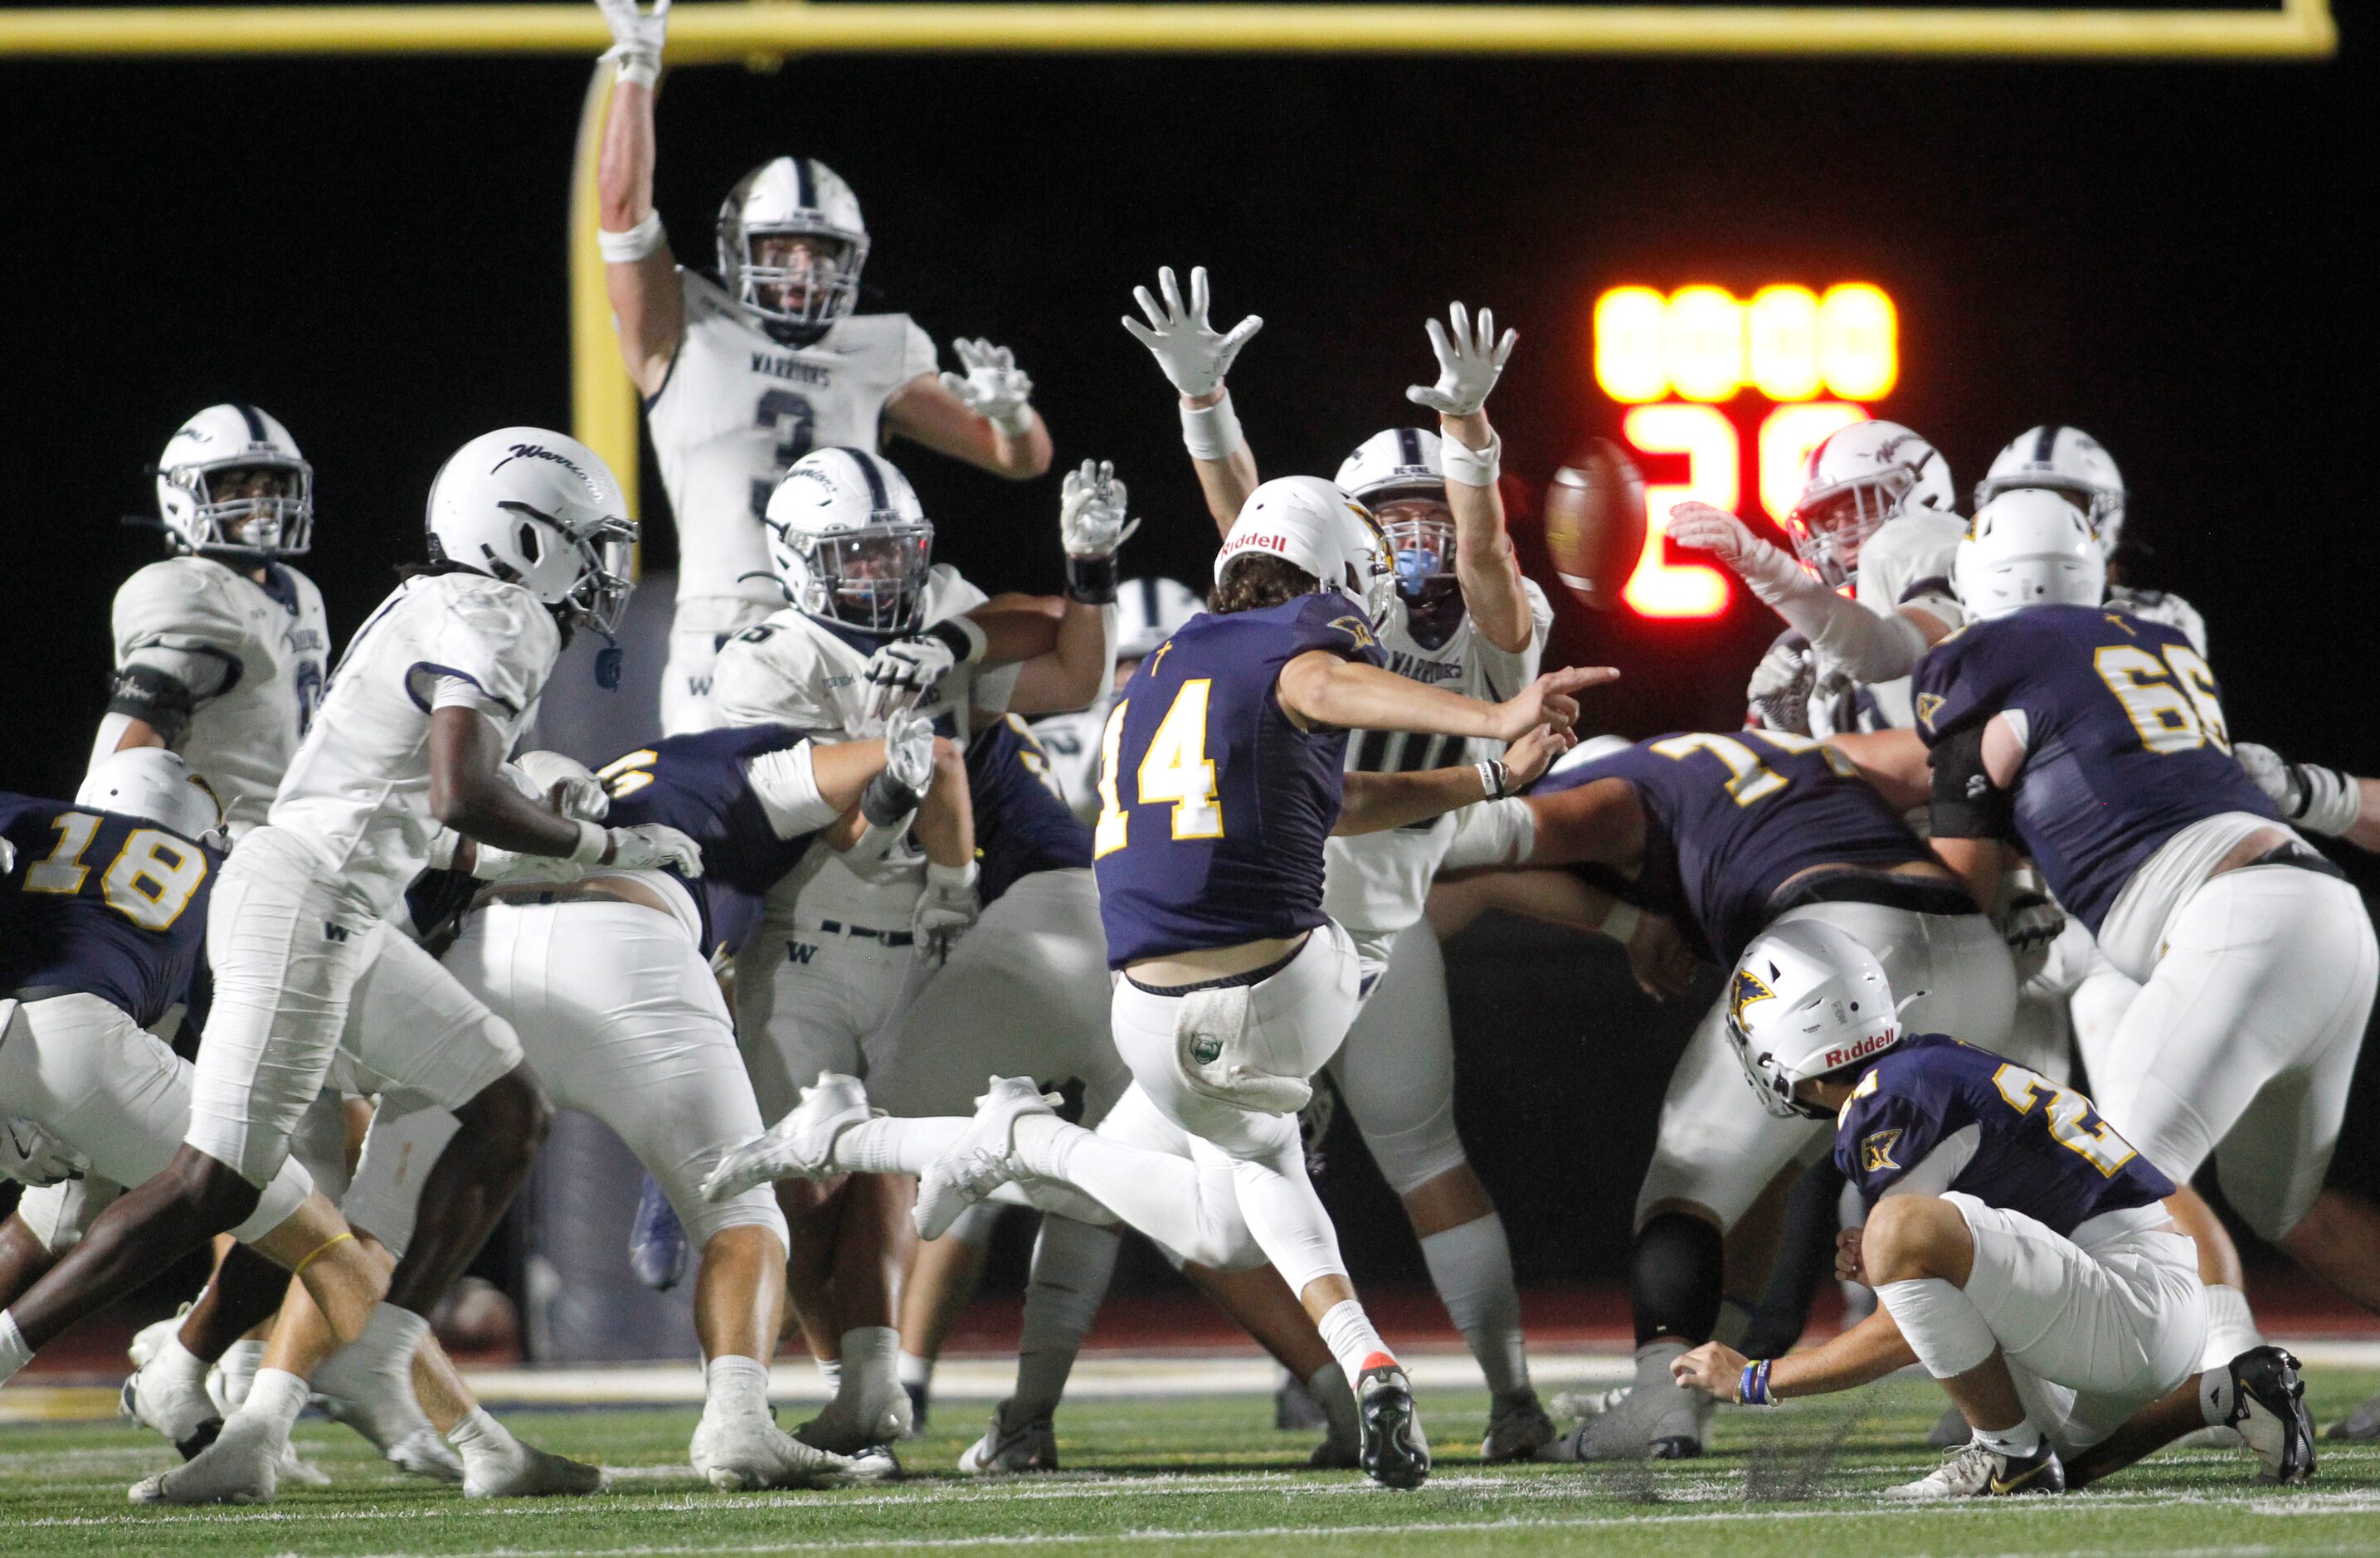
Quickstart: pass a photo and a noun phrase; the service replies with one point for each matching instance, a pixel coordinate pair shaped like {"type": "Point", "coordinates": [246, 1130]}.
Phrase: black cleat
{"type": "Point", "coordinates": [917, 1409]}
{"type": "Point", "coordinates": [2268, 1411]}
{"type": "Point", "coordinates": [1394, 1454]}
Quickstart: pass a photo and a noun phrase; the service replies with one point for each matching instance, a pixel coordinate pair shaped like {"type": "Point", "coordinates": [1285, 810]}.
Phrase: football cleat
{"type": "Point", "coordinates": [2269, 1411]}
{"type": "Point", "coordinates": [174, 1404]}
{"type": "Point", "coordinates": [799, 1146]}
{"type": "Point", "coordinates": [2361, 1423]}
{"type": "Point", "coordinates": [1394, 1453]}
{"type": "Point", "coordinates": [1975, 1471]}
{"type": "Point", "coordinates": [1294, 1408]}
{"type": "Point", "coordinates": [739, 1454]}
{"type": "Point", "coordinates": [522, 1471]}
{"type": "Point", "coordinates": [241, 1467]}
{"type": "Point", "coordinates": [1006, 1452]}
{"type": "Point", "coordinates": [656, 1239]}
{"type": "Point", "coordinates": [1517, 1429]}
{"type": "Point", "coordinates": [983, 1158]}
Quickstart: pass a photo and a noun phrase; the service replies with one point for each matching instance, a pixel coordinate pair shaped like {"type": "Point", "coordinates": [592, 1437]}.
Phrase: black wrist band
{"type": "Point", "coordinates": [886, 800]}
{"type": "Point", "coordinates": [965, 647]}
{"type": "Point", "coordinates": [1091, 581]}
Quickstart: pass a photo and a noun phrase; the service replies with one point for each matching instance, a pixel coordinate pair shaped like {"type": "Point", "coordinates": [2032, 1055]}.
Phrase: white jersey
{"type": "Point", "coordinates": [358, 792]}
{"type": "Point", "coordinates": [254, 656]}
{"type": "Point", "coordinates": [2161, 605]}
{"type": "Point", "coordinates": [739, 407]}
{"type": "Point", "coordinates": [1907, 562]}
{"type": "Point", "coordinates": [1070, 743]}
{"type": "Point", "coordinates": [797, 669]}
{"type": "Point", "coordinates": [1378, 882]}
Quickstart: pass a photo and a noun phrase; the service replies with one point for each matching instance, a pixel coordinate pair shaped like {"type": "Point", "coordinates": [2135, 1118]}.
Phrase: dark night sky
{"type": "Point", "coordinates": [2163, 254]}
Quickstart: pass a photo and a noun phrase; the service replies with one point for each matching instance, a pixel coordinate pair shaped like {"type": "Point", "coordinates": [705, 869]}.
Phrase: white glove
{"type": "Point", "coordinates": [2320, 800]}
{"type": "Point", "coordinates": [1468, 365]}
{"type": "Point", "coordinates": [2032, 922]}
{"type": "Point", "coordinates": [637, 38]}
{"type": "Point", "coordinates": [946, 910]}
{"type": "Point", "coordinates": [30, 1155]}
{"type": "Point", "coordinates": [909, 750]}
{"type": "Point", "coordinates": [650, 847]}
{"type": "Point", "coordinates": [567, 784]}
{"type": "Point", "coordinates": [1782, 683]}
{"type": "Point", "coordinates": [7, 857]}
{"type": "Point", "coordinates": [1194, 357]}
{"type": "Point", "coordinates": [902, 672]}
{"type": "Point", "coordinates": [1770, 570]}
{"type": "Point", "coordinates": [1091, 506]}
{"type": "Point", "coordinates": [994, 387]}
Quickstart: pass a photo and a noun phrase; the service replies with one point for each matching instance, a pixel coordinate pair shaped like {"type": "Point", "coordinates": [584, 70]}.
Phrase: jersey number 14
{"type": "Point", "coordinates": [1175, 768]}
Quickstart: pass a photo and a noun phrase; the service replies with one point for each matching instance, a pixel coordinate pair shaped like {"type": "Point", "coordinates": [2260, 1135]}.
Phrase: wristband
{"type": "Point", "coordinates": [635, 67]}
{"type": "Point", "coordinates": [1091, 581]}
{"type": "Point", "coordinates": [593, 839]}
{"type": "Point", "coordinates": [1620, 921]}
{"type": "Point", "coordinates": [963, 634]}
{"type": "Point", "coordinates": [1211, 432]}
{"type": "Point", "coordinates": [625, 249]}
{"type": "Point", "coordinates": [1473, 467]}
{"type": "Point", "coordinates": [886, 800]}
{"type": "Point", "coordinates": [1495, 779]}
{"type": "Point", "coordinates": [2326, 800]}
{"type": "Point", "coordinates": [1752, 1390]}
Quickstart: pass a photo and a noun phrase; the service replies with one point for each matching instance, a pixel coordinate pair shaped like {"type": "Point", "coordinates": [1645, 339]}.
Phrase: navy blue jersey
{"type": "Point", "coordinates": [2020, 1142]}
{"type": "Point", "coordinates": [2125, 741]}
{"type": "Point", "coordinates": [697, 785]}
{"type": "Point", "coordinates": [1213, 806]}
{"type": "Point", "coordinates": [103, 905]}
{"type": "Point", "coordinates": [1022, 824]}
{"type": "Point", "coordinates": [1730, 819]}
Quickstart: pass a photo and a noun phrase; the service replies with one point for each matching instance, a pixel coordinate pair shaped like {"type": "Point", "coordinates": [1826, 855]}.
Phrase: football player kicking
{"type": "Point", "coordinates": [1225, 772]}
{"type": "Point", "coordinates": [2021, 1250]}
{"type": "Point", "coordinates": [1465, 620]}
{"type": "Point", "coordinates": [2095, 741]}
{"type": "Point", "coordinates": [434, 687]}
{"type": "Point", "coordinates": [871, 623]}
{"type": "Point", "coordinates": [743, 375]}
{"type": "Point", "coordinates": [1726, 836]}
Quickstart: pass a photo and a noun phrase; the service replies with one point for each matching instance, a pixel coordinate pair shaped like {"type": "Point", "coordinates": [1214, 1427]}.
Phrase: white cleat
{"type": "Point", "coordinates": [380, 1404]}
{"type": "Point", "coordinates": [174, 1403]}
{"type": "Point", "coordinates": [1972, 1471]}
{"type": "Point", "coordinates": [1517, 1429]}
{"type": "Point", "coordinates": [740, 1454]}
{"type": "Point", "coordinates": [522, 1471]}
{"type": "Point", "coordinates": [864, 1436]}
{"type": "Point", "coordinates": [1657, 1423]}
{"type": "Point", "coordinates": [241, 1467]}
{"type": "Point", "coordinates": [800, 1146]}
{"type": "Point", "coordinates": [303, 1474]}
{"type": "Point", "coordinates": [983, 1158]}
{"type": "Point", "coordinates": [1009, 1451]}
{"type": "Point", "coordinates": [422, 1454]}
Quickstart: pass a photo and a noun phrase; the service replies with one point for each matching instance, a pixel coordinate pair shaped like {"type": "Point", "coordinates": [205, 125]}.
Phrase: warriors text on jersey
{"type": "Point", "coordinates": [1214, 806]}
{"type": "Point", "coordinates": [739, 407]}
{"type": "Point", "coordinates": [1943, 1115]}
{"type": "Point", "coordinates": [1729, 820]}
{"type": "Point", "coordinates": [252, 655]}
{"type": "Point", "coordinates": [2125, 742]}
{"type": "Point", "coordinates": [1022, 822]}
{"type": "Point", "coordinates": [358, 792]}
{"type": "Point", "coordinates": [1379, 881]}
{"type": "Point", "coordinates": [102, 904]}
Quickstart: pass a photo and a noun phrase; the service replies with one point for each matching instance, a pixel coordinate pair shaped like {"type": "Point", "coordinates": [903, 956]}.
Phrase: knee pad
{"type": "Point", "coordinates": [1413, 1157]}
{"type": "Point", "coordinates": [975, 1225]}
{"type": "Point", "coordinates": [753, 1209]}
{"type": "Point", "coordinates": [1676, 1270]}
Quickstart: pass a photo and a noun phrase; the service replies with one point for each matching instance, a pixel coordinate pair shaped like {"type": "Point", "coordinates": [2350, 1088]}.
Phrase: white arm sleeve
{"type": "Point", "coordinates": [1872, 648]}
{"type": "Point", "coordinates": [1936, 1169]}
{"type": "Point", "coordinates": [786, 783]}
{"type": "Point", "coordinates": [1494, 833]}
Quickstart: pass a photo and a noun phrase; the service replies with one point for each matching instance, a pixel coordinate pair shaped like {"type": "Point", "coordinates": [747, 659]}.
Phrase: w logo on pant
{"type": "Point", "coordinates": [800, 952]}
{"type": "Point", "coordinates": [334, 932]}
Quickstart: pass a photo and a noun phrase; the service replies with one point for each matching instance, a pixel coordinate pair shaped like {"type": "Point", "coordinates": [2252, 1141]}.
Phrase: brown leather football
{"type": "Point", "coordinates": [1595, 522]}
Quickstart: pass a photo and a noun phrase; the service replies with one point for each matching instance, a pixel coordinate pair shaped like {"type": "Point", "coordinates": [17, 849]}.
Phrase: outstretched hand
{"type": "Point", "coordinates": [992, 387]}
{"type": "Point", "coordinates": [1193, 354]}
{"type": "Point", "coordinates": [638, 37]}
{"type": "Point", "coordinates": [1469, 363]}
{"type": "Point", "coordinates": [1093, 505]}
{"type": "Point", "coordinates": [1548, 700]}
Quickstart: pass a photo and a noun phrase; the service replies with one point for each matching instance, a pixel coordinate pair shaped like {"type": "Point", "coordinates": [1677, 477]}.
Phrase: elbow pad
{"type": "Point", "coordinates": [158, 698]}
{"type": "Point", "coordinates": [1966, 803]}
{"type": "Point", "coordinates": [785, 783]}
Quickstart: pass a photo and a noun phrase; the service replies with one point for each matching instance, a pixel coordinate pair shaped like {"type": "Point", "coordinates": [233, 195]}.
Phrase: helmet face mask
{"type": "Point", "coordinates": [792, 244]}
{"type": "Point", "coordinates": [232, 486]}
{"type": "Point", "coordinates": [1830, 527]}
{"type": "Point", "coordinates": [1420, 533]}
{"type": "Point", "coordinates": [600, 597]}
{"type": "Point", "coordinates": [850, 542]}
{"type": "Point", "coordinates": [872, 579]}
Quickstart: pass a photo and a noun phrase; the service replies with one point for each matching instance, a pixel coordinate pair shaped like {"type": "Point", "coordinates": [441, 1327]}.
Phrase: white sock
{"type": "Point", "coordinates": [478, 1438]}
{"type": "Point", "coordinates": [240, 1363]}
{"type": "Point", "coordinates": [831, 1367]}
{"type": "Point", "coordinates": [2217, 1398]}
{"type": "Point", "coordinates": [14, 1352]}
{"type": "Point", "coordinates": [1071, 1263]}
{"type": "Point", "coordinates": [389, 1341]}
{"type": "Point", "coordinates": [2231, 1328]}
{"type": "Point", "coordinates": [1156, 1192]}
{"type": "Point", "coordinates": [274, 1399]}
{"type": "Point", "coordinates": [889, 1146]}
{"type": "Point", "coordinates": [1470, 1266]}
{"type": "Point", "coordinates": [916, 1373]}
{"type": "Point", "coordinates": [1328, 1389]}
{"type": "Point", "coordinates": [1653, 1360]}
{"type": "Point", "coordinates": [2017, 1443]}
{"type": "Point", "coordinates": [1941, 1324]}
{"type": "Point", "coordinates": [1347, 1331]}
{"type": "Point", "coordinates": [868, 1377]}
{"type": "Point", "coordinates": [734, 1386]}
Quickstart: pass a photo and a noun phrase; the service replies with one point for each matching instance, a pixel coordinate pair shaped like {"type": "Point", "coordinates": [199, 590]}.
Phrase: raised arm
{"type": "Point", "coordinates": [1195, 358]}
{"type": "Point", "coordinates": [1486, 566]}
{"type": "Point", "coordinates": [1874, 647]}
{"type": "Point", "coordinates": [640, 274]}
{"type": "Point", "coordinates": [1319, 688]}
{"type": "Point", "coordinates": [983, 416]}
{"type": "Point", "coordinates": [2318, 799]}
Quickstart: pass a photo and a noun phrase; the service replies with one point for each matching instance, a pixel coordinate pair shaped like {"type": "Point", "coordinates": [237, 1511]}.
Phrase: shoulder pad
{"type": "Point", "coordinates": [181, 602]}
{"type": "Point", "coordinates": [948, 593]}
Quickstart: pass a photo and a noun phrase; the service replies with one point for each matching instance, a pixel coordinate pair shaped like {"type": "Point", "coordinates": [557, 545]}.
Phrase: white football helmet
{"type": "Point", "coordinates": [1854, 481]}
{"type": "Point", "coordinates": [1806, 1000]}
{"type": "Point", "coordinates": [152, 783]}
{"type": "Point", "coordinates": [1400, 475]}
{"type": "Point", "coordinates": [208, 511]}
{"type": "Point", "coordinates": [2069, 462]}
{"type": "Point", "coordinates": [850, 541]}
{"type": "Point", "coordinates": [1148, 611]}
{"type": "Point", "coordinates": [1314, 525]}
{"type": "Point", "coordinates": [542, 510]}
{"type": "Point", "coordinates": [793, 197]}
{"type": "Point", "coordinates": [2028, 547]}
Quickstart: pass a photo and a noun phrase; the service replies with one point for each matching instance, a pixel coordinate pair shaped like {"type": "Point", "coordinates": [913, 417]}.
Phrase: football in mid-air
{"type": "Point", "coordinates": [1595, 522]}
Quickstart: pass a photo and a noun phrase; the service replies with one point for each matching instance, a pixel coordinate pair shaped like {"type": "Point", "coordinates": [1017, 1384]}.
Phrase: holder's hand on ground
{"type": "Point", "coordinates": [1194, 356]}
{"type": "Point", "coordinates": [1713, 1368]}
{"type": "Point", "coordinates": [1469, 363]}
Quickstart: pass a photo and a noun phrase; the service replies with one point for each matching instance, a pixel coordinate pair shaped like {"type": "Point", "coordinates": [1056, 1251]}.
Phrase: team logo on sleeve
{"type": "Point", "coordinates": [1356, 628]}
{"type": "Point", "coordinates": [1748, 989]}
{"type": "Point", "coordinates": [1928, 705]}
{"type": "Point", "coordinates": [1875, 1150]}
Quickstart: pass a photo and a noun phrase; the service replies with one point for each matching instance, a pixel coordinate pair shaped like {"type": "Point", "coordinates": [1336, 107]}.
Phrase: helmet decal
{"type": "Point", "coordinates": [1748, 989]}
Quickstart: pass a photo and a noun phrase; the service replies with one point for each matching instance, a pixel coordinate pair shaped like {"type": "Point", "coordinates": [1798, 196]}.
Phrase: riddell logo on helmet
{"type": "Point", "coordinates": [1865, 1048]}
{"type": "Point", "coordinates": [1261, 543]}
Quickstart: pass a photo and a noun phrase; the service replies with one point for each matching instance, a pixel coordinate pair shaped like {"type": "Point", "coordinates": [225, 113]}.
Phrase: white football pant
{"type": "Point", "coordinates": [701, 625]}
{"type": "Point", "coordinates": [1396, 1070]}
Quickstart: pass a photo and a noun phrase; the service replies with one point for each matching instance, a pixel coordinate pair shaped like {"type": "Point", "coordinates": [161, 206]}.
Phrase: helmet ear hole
{"type": "Point", "coordinates": [531, 547]}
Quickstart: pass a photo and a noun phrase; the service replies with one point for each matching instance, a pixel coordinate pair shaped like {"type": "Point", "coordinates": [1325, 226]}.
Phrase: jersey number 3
{"type": "Point", "coordinates": [795, 421]}
{"type": "Point", "coordinates": [1175, 768]}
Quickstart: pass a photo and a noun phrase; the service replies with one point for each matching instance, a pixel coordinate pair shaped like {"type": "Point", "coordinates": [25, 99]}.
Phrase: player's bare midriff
{"type": "Point", "coordinates": [1213, 963]}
